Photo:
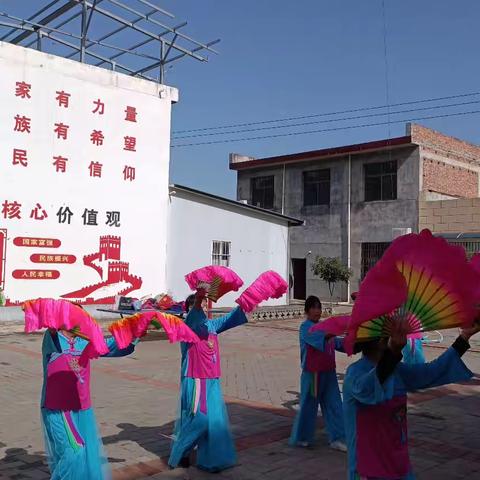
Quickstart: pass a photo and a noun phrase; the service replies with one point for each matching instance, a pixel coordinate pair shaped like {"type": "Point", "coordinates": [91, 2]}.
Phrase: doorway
{"type": "Point", "coordinates": [299, 267]}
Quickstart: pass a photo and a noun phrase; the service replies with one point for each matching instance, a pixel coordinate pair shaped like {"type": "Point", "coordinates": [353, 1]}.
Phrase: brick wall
{"type": "Point", "coordinates": [453, 147]}
{"type": "Point", "coordinates": [450, 216]}
{"type": "Point", "coordinates": [448, 179]}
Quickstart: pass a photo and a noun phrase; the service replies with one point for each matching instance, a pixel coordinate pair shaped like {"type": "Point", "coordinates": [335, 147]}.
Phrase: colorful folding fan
{"type": "Point", "coordinates": [268, 285]}
{"type": "Point", "coordinates": [61, 314]}
{"type": "Point", "coordinates": [127, 329]}
{"type": "Point", "coordinates": [421, 280]}
{"type": "Point", "coordinates": [215, 280]}
{"type": "Point", "coordinates": [334, 325]}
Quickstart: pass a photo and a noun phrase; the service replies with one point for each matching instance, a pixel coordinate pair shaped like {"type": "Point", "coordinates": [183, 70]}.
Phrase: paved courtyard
{"type": "Point", "coordinates": [136, 402]}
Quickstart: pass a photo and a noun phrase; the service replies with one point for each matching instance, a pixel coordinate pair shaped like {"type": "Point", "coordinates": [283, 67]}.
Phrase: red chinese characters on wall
{"type": "Point", "coordinates": [37, 242]}
{"type": "Point", "coordinates": [130, 114]}
{"type": "Point", "coordinates": [20, 157]}
{"type": "Point", "coordinates": [22, 89]}
{"type": "Point", "coordinates": [28, 274]}
{"type": "Point", "coordinates": [129, 173]}
{"type": "Point", "coordinates": [43, 258]}
{"type": "Point", "coordinates": [61, 130]}
{"type": "Point", "coordinates": [60, 164]}
{"type": "Point", "coordinates": [22, 124]}
{"type": "Point", "coordinates": [130, 143]}
{"type": "Point", "coordinates": [63, 99]}
{"type": "Point", "coordinates": [96, 137]}
{"type": "Point", "coordinates": [11, 210]}
{"type": "Point", "coordinates": [95, 169]}
{"type": "Point", "coordinates": [38, 213]}
{"type": "Point", "coordinates": [99, 107]}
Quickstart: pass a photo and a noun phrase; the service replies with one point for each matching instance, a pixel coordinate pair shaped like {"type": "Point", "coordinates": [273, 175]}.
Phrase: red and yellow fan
{"type": "Point", "coordinates": [135, 326]}
{"type": "Point", "coordinates": [421, 280]}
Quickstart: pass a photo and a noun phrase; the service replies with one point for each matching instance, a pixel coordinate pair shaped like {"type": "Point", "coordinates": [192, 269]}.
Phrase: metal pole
{"type": "Point", "coordinates": [39, 40]}
{"type": "Point", "coordinates": [349, 222]}
{"type": "Point", "coordinates": [162, 64]}
{"type": "Point", "coordinates": [83, 39]}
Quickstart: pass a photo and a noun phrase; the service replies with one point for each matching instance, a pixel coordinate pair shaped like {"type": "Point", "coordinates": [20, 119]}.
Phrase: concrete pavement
{"type": "Point", "coordinates": [136, 402]}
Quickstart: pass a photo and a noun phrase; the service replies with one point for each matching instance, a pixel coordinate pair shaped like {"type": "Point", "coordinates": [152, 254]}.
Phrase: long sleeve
{"type": "Point", "coordinates": [114, 351]}
{"type": "Point", "coordinates": [233, 319]}
{"type": "Point", "coordinates": [314, 339]}
{"type": "Point", "coordinates": [447, 368]}
{"type": "Point", "coordinates": [365, 387]}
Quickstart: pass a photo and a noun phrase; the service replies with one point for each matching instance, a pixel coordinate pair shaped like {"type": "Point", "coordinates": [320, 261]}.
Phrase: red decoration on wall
{"type": "Point", "coordinates": [3, 255]}
{"type": "Point", "coordinates": [36, 274]}
{"type": "Point", "coordinates": [44, 258]}
{"type": "Point", "coordinates": [109, 251]}
{"type": "Point", "coordinates": [36, 242]}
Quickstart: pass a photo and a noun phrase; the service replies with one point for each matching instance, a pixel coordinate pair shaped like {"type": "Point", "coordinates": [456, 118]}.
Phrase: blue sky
{"type": "Point", "coordinates": [280, 58]}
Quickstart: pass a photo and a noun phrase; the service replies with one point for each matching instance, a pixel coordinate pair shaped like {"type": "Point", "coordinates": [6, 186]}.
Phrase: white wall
{"type": "Point", "coordinates": [257, 244]}
{"type": "Point", "coordinates": [142, 203]}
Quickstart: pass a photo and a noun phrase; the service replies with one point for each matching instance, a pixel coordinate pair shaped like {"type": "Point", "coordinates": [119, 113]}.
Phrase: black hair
{"type": "Point", "coordinates": [312, 302]}
{"type": "Point", "coordinates": [366, 347]}
{"type": "Point", "coordinates": [189, 302]}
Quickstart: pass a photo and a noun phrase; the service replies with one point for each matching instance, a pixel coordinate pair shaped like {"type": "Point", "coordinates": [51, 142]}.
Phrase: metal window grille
{"type": "Point", "coordinates": [371, 254]}
{"type": "Point", "coordinates": [316, 187]}
{"type": "Point", "coordinates": [380, 181]}
{"type": "Point", "coordinates": [263, 191]}
{"type": "Point", "coordinates": [221, 253]}
{"type": "Point", "coordinates": [471, 246]}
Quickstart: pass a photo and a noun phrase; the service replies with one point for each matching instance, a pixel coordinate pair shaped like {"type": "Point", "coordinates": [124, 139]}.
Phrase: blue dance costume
{"type": "Point", "coordinates": [73, 445]}
{"type": "Point", "coordinates": [203, 419]}
{"type": "Point", "coordinates": [376, 413]}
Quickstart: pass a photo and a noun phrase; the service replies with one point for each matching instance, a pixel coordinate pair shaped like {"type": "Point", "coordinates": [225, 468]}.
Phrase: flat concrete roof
{"type": "Point", "coordinates": [355, 149]}
{"type": "Point", "coordinates": [268, 213]}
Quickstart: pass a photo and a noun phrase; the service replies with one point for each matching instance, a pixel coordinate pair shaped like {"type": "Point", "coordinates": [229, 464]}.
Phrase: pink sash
{"type": "Point", "coordinates": [382, 439]}
{"type": "Point", "coordinates": [204, 358]}
{"type": "Point", "coordinates": [317, 361]}
{"type": "Point", "coordinates": [68, 384]}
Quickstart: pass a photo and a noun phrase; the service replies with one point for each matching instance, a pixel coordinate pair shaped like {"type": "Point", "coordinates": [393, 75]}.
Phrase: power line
{"type": "Point", "coordinates": [316, 122]}
{"type": "Point", "coordinates": [339, 112]}
{"type": "Point", "coordinates": [290, 134]}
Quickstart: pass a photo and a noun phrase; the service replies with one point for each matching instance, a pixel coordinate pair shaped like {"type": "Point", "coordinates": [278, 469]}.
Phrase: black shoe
{"type": "Point", "coordinates": [184, 462]}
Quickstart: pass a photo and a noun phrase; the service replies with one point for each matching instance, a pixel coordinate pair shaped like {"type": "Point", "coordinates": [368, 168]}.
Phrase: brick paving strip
{"type": "Point", "coordinates": [273, 416]}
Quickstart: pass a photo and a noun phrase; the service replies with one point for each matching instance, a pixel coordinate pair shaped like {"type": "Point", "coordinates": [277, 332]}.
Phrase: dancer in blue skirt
{"type": "Point", "coordinates": [73, 444]}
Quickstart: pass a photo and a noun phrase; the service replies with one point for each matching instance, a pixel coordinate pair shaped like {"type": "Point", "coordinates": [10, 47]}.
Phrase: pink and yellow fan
{"type": "Point", "coordinates": [64, 315]}
{"type": "Point", "coordinates": [421, 280]}
{"type": "Point", "coordinates": [215, 280]}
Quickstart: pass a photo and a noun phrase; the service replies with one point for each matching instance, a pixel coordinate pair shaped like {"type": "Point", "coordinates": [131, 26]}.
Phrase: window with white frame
{"type": "Point", "coordinates": [221, 253]}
